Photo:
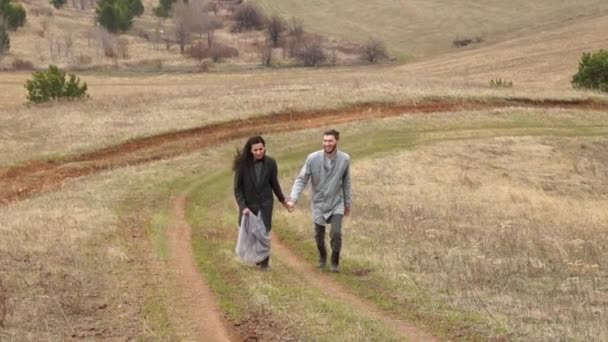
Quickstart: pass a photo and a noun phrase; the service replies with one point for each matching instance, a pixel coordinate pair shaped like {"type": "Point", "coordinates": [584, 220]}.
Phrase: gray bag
{"type": "Point", "coordinates": [253, 242]}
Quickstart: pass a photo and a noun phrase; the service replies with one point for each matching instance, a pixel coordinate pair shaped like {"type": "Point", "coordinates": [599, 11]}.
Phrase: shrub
{"type": "Point", "coordinates": [163, 9]}
{"type": "Point", "coordinates": [217, 52]}
{"type": "Point", "coordinates": [592, 71]}
{"type": "Point", "coordinates": [136, 7]}
{"type": "Point", "coordinates": [501, 83]}
{"type": "Point", "coordinates": [84, 60]}
{"type": "Point", "coordinates": [220, 52]}
{"type": "Point", "coordinates": [248, 17]}
{"type": "Point", "coordinates": [5, 41]}
{"type": "Point", "coordinates": [58, 3]}
{"type": "Point", "coordinates": [21, 64]}
{"type": "Point", "coordinates": [374, 51]}
{"type": "Point", "coordinates": [117, 15]}
{"type": "Point", "coordinates": [13, 15]}
{"type": "Point", "coordinates": [53, 85]}
{"type": "Point", "coordinates": [311, 54]}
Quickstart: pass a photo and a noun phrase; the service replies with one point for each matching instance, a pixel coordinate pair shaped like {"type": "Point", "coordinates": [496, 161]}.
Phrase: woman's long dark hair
{"type": "Point", "coordinates": [244, 157]}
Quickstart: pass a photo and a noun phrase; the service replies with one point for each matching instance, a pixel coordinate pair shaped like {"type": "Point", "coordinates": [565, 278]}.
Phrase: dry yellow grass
{"type": "Point", "coordinates": [427, 28]}
{"type": "Point", "coordinates": [66, 264]}
{"type": "Point", "coordinates": [122, 108]}
{"type": "Point", "coordinates": [510, 227]}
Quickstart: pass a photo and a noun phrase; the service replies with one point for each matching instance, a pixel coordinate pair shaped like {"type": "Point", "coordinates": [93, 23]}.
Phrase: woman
{"type": "Point", "coordinates": [255, 179]}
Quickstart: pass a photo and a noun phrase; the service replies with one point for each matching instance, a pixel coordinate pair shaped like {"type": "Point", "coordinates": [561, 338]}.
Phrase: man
{"type": "Point", "coordinates": [328, 170]}
{"type": "Point", "coordinates": [255, 180]}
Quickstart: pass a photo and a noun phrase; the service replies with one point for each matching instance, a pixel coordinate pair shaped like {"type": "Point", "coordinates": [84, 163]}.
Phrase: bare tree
{"type": "Point", "coordinates": [203, 23]}
{"type": "Point", "coordinates": [69, 43]}
{"type": "Point", "coordinates": [311, 53]}
{"type": "Point", "coordinates": [183, 17]}
{"type": "Point", "coordinates": [210, 25]}
{"type": "Point", "coordinates": [296, 28]}
{"type": "Point", "coordinates": [266, 53]}
{"type": "Point", "coordinates": [275, 28]}
{"type": "Point", "coordinates": [374, 51]}
{"type": "Point", "coordinates": [295, 37]}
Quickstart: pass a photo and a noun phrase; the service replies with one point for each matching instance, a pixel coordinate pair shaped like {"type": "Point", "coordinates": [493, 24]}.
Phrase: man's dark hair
{"type": "Point", "coordinates": [333, 132]}
{"type": "Point", "coordinates": [243, 157]}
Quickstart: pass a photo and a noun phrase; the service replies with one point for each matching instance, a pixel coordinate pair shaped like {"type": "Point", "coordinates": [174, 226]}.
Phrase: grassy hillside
{"type": "Point", "coordinates": [423, 28]}
{"type": "Point", "coordinates": [547, 59]}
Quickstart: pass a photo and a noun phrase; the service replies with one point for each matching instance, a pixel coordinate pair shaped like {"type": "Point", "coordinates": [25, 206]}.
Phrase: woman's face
{"type": "Point", "coordinates": [258, 150]}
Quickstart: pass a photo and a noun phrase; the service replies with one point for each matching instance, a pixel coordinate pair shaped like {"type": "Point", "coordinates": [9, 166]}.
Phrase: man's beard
{"type": "Point", "coordinates": [332, 150]}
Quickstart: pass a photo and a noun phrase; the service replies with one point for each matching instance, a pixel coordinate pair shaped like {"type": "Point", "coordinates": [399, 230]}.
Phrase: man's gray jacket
{"type": "Point", "coordinates": [330, 179]}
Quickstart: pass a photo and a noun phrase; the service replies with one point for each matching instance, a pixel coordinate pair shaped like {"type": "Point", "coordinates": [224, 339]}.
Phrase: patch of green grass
{"type": "Point", "coordinates": [156, 232]}
{"type": "Point", "coordinates": [405, 300]}
{"type": "Point", "coordinates": [243, 291]}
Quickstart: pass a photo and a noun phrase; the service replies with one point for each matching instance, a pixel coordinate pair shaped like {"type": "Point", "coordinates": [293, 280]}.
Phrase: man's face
{"type": "Point", "coordinates": [258, 151]}
{"type": "Point", "coordinates": [329, 143]}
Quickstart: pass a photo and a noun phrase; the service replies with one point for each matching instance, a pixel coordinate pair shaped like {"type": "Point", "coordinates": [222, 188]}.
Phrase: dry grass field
{"type": "Point", "coordinates": [512, 228]}
{"type": "Point", "coordinates": [470, 225]}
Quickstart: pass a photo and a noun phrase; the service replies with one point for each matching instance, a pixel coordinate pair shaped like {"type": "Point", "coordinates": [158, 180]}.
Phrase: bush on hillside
{"type": "Point", "coordinates": [58, 3]}
{"type": "Point", "coordinates": [217, 52]}
{"type": "Point", "coordinates": [5, 41]}
{"type": "Point", "coordinates": [248, 17]}
{"type": "Point", "coordinates": [592, 71]}
{"type": "Point", "coordinates": [13, 15]}
{"type": "Point", "coordinates": [118, 15]}
{"type": "Point", "coordinates": [52, 85]}
{"type": "Point", "coordinates": [311, 54]}
{"type": "Point", "coordinates": [163, 9]}
{"type": "Point", "coordinates": [500, 83]}
{"type": "Point", "coordinates": [22, 64]}
{"type": "Point", "coordinates": [374, 51]}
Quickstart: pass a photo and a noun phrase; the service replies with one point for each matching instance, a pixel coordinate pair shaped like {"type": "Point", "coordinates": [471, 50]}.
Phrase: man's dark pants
{"type": "Point", "coordinates": [335, 235]}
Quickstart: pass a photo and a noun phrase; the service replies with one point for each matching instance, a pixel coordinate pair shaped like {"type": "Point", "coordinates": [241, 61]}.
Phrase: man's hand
{"type": "Point", "coordinates": [346, 211]}
{"type": "Point", "coordinates": [290, 205]}
{"type": "Point", "coordinates": [246, 211]}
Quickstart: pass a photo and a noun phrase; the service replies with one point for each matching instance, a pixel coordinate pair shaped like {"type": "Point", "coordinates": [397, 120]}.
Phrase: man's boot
{"type": "Point", "coordinates": [335, 261]}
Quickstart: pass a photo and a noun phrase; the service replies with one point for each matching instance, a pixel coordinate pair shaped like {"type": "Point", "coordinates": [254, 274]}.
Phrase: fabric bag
{"type": "Point", "coordinates": [253, 242]}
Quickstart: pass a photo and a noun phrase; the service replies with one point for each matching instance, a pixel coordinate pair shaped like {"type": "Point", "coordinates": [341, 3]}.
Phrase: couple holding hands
{"type": "Point", "coordinates": [256, 179]}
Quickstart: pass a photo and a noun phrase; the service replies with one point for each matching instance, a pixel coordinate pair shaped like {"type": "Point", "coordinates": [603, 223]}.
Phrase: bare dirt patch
{"type": "Point", "coordinates": [33, 177]}
{"type": "Point", "coordinates": [195, 297]}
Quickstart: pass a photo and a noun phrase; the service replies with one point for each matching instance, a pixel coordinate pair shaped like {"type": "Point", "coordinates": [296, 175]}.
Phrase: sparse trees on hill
{"type": "Point", "coordinates": [592, 71]}
{"type": "Point", "coordinates": [13, 14]}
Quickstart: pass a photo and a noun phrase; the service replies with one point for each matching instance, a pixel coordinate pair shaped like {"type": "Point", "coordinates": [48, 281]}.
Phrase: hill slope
{"type": "Point", "coordinates": [423, 28]}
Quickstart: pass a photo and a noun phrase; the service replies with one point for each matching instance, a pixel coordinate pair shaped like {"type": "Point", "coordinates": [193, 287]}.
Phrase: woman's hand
{"type": "Point", "coordinates": [246, 211]}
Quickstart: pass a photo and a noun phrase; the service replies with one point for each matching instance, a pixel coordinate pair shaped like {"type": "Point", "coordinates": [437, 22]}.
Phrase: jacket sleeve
{"type": "Point", "coordinates": [301, 181]}
{"type": "Point", "coordinates": [346, 185]}
{"type": "Point", "coordinates": [239, 193]}
{"type": "Point", "coordinates": [274, 182]}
